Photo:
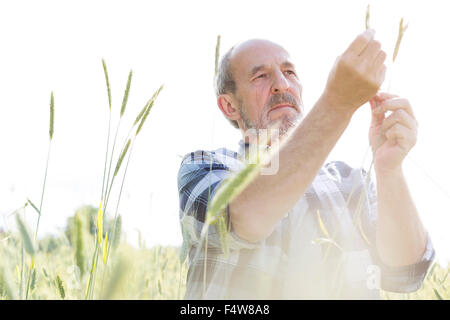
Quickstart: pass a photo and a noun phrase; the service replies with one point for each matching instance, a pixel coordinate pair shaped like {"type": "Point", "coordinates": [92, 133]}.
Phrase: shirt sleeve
{"type": "Point", "coordinates": [404, 279]}
{"type": "Point", "coordinates": [199, 177]}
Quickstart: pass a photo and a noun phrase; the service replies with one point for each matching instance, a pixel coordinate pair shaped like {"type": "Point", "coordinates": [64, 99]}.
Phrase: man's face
{"type": "Point", "coordinates": [267, 86]}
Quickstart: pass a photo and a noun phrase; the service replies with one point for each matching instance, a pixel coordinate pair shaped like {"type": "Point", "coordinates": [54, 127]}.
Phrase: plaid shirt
{"type": "Point", "coordinates": [297, 261]}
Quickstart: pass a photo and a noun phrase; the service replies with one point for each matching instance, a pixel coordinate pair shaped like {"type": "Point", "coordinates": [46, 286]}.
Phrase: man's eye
{"type": "Point", "coordinates": [290, 72]}
{"type": "Point", "coordinates": [263, 75]}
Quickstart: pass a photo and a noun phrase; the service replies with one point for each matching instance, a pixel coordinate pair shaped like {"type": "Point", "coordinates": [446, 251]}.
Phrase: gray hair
{"type": "Point", "coordinates": [224, 80]}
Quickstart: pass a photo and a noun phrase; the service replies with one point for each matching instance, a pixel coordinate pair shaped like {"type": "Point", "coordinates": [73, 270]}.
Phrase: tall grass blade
{"type": "Point", "coordinates": [33, 279]}
{"type": "Point", "coordinates": [28, 242]}
{"type": "Point", "coordinates": [437, 294]}
{"type": "Point", "coordinates": [117, 232]}
{"type": "Point", "coordinates": [34, 206]}
{"type": "Point", "coordinates": [43, 190]}
{"type": "Point", "coordinates": [105, 243]}
{"type": "Point", "coordinates": [328, 241]}
{"type": "Point", "coordinates": [60, 286]}
{"type": "Point", "coordinates": [234, 185]}
{"type": "Point", "coordinates": [322, 225]}
{"type": "Point", "coordinates": [22, 274]}
{"type": "Point", "coordinates": [230, 189]}
{"type": "Point", "coordinates": [223, 233]}
{"type": "Point", "coordinates": [100, 223]}
{"type": "Point", "coordinates": [90, 284]}
{"type": "Point", "coordinates": [79, 245]}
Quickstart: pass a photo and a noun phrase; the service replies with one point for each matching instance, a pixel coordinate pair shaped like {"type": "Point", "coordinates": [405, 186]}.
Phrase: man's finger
{"type": "Point", "coordinates": [361, 42]}
{"type": "Point", "coordinates": [401, 117]}
{"type": "Point", "coordinates": [371, 51]}
{"type": "Point", "coordinates": [394, 104]}
{"type": "Point", "coordinates": [381, 74]}
{"type": "Point", "coordinates": [379, 59]}
{"type": "Point", "coordinates": [381, 96]}
{"type": "Point", "coordinates": [401, 134]}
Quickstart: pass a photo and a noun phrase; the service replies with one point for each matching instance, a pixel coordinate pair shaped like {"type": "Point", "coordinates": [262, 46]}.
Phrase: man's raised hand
{"type": "Point", "coordinates": [357, 74]}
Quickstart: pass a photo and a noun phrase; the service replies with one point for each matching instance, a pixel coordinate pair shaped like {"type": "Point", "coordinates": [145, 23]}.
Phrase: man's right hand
{"type": "Point", "coordinates": [357, 74]}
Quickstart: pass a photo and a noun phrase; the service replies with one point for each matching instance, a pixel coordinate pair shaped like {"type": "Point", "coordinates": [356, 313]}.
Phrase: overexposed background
{"type": "Point", "coordinates": [58, 46]}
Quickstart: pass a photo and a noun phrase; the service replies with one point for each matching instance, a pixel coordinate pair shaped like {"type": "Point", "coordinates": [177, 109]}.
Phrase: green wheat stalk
{"type": "Point", "coordinates": [122, 111]}
{"type": "Point", "coordinates": [108, 88]}
{"type": "Point", "coordinates": [140, 119]}
{"type": "Point", "coordinates": [51, 129]}
{"type": "Point", "coordinates": [142, 116]}
{"type": "Point", "coordinates": [108, 187]}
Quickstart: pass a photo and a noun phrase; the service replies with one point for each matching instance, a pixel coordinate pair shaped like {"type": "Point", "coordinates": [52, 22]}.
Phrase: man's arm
{"type": "Point", "coordinates": [354, 79]}
{"type": "Point", "coordinates": [401, 237]}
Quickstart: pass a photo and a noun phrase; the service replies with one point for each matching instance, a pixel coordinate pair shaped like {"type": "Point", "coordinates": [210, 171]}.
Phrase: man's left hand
{"type": "Point", "coordinates": [398, 131]}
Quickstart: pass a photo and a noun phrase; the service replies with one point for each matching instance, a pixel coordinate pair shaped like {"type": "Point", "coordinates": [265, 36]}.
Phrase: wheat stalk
{"type": "Point", "coordinates": [216, 62]}
{"type": "Point", "coordinates": [368, 17]}
{"type": "Point", "coordinates": [122, 155]}
{"type": "Point", "coordinates": [401, 32]}
{"type": "Point", "coordinates": [122, 111]}
{"type": "Point", "coordinates": [52, 111]}
{"type": "Point", "coordinates": [106, 189]}
{"type": "Point", "coordinates": [125, 96]}
{"type": "Point", "coordinates": [105, 70]}
{"type": "Point", "coordinates": [149, 107]}
{"type": "Point", "coordinates": [52, 115]}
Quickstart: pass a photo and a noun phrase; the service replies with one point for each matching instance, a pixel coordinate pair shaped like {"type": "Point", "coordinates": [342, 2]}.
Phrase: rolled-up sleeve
{"type": "Point", "coordinates": [409, 278]}
{"type": "Point", "coordinates": [199, 178]}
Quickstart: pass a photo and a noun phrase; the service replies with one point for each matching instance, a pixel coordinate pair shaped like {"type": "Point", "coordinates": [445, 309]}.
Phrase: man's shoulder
{"type": "Point", "coordinates": [201, 156]}
{"type": "Point", "coordinates": [196, 164]}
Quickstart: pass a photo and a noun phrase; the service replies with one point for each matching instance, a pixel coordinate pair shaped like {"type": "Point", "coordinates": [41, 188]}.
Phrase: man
{"type": "Point", "coordinates": [310, 230]}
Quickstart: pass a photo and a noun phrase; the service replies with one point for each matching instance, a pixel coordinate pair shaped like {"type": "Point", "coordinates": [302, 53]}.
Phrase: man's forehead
{"type": "Point", "coordinates": [257, 52]}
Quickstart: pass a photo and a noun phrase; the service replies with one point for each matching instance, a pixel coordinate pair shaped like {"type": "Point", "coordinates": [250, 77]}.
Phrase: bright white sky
{"type": "Point", "coordinates": [56, 45]}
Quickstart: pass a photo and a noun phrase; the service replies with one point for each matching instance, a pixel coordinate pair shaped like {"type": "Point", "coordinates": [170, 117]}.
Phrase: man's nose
{"type": "Point", "coordinates": [280, 83]}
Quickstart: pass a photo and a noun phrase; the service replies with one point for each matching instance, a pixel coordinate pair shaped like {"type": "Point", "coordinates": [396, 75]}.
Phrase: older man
{"type": "Point", "coordinates": [309, 230]}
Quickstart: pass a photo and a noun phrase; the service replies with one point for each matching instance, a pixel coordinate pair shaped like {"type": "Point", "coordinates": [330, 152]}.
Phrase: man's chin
{"type": "Point", "coordinates": [285, 124]}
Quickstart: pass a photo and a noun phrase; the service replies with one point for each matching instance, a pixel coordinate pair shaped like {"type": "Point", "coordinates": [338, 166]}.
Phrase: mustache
{"type": "Point", "coordinates": [282, 98]}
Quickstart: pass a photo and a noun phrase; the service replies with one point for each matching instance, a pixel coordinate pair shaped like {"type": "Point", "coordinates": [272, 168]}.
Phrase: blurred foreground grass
{"type": "Point", "coordinates": [133, 273]}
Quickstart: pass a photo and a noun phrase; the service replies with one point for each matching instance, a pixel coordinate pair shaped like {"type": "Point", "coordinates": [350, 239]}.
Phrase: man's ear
{"type": "Point", "coordinates": [228, 106]}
